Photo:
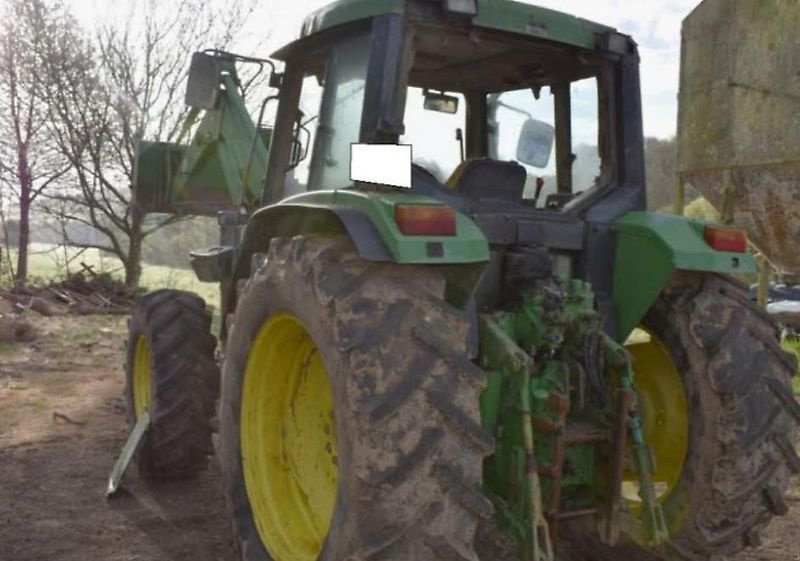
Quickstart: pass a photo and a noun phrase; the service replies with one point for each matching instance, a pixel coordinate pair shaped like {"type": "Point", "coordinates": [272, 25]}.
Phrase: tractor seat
{"type": "Point", "coordinates": [482, 178]}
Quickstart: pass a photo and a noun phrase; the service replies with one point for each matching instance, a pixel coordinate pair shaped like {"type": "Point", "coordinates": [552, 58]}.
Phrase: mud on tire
{"type": "Point", "coordinates": [742, 421]}
{"type": "Point", "coordinates": [406, 402]}
{"type": "Point", "coordinates": [184, 382]}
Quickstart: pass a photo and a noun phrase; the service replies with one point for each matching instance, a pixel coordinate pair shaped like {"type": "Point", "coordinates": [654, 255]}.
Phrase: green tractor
{"type": "Point", "coordinates": [508, 359]}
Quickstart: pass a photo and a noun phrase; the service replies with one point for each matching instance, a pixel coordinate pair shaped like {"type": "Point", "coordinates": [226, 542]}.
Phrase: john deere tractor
{"type": "Point", "coordinates": [507, 358]}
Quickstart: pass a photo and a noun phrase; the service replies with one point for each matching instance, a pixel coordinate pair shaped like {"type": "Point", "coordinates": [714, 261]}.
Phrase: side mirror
{"type": "Point", "coordinates": [535, 143]}
{"type": "Point", "coordinates": [440, 102]}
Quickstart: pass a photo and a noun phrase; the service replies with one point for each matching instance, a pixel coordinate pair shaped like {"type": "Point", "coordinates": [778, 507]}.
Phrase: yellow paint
{"type": "Point", "coordinates": [455, 177]}
{"type": "Point", "coordinates": [288, 440]}
{"type": "Point", "coordinates": [142, 377]}
{"type": "Point", "coordinates": [664, 412]}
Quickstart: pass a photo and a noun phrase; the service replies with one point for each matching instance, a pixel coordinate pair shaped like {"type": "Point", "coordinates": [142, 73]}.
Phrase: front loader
{"type": "Point", "coordinates": [509, 359]}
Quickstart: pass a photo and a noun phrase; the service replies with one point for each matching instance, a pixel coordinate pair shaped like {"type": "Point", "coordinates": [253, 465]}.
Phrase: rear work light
{"type": "Point", "coordinates": [425, 220]}
{"type": "Point", "coordinates": [725, 239]}
{"type": "Point", "coordinates": [463, 7]}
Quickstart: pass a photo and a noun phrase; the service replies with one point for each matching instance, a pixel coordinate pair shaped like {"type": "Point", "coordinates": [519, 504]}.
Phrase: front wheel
{"type": "Point", "coordinates": [349, 416]}
{"type": "Point", "coordinates": [171, 372]}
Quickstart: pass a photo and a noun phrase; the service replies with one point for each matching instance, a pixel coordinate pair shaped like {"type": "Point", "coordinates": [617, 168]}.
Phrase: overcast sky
{"type": "Point", "coordinates": [654, 24]}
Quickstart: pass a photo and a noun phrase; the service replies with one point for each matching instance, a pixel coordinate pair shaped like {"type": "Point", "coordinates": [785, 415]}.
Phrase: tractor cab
{"type": "Point", "coordinates": [520, 123]}
{"type": "Point", "coordinates": [523, 121]}
{"type": "Point", "coordinates": [492, 112]}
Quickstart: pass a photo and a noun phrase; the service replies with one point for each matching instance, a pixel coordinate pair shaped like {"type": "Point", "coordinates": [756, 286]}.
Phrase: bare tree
{"type": "Point", "coordinates": [29, 161]}
{"type": "Point", "coordinates": [126, 84]}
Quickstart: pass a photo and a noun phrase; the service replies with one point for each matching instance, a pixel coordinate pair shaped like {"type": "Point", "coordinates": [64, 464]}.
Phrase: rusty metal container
{"type": "Point", "coordinates": [739, 118]}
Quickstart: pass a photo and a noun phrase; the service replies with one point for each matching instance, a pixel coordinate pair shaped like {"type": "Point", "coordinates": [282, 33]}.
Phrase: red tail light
{"type": "Point", "coordinates": [425, 220]}
{"type": "Point", "coordinates": [726, 239]}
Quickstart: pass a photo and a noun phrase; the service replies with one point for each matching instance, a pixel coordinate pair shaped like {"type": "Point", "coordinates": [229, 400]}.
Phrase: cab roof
{"type": "Point", "coordinates": [500, 15]}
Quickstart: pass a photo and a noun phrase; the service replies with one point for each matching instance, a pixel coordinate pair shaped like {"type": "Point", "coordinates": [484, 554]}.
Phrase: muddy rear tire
{"type": "Point", "coordinates": [741, 448]}
{"type": "Point", "coordinates": [174, 326]}
{"type": "Point", "coordinates": [410, 444]}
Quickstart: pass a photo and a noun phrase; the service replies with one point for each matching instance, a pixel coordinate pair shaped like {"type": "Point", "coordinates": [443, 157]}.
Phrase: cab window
{"type": "Point", "coordinates": [340, 114]}
{"type": "Point", "coordinates": [507, 114]}
{"type": "Point", "coordinates": [310, 98]}
{"type": "Point", "coordinates": [434, 135]}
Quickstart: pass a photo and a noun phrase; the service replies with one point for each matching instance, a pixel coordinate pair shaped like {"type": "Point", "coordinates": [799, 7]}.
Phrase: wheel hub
{"type": "Point", "coordinates": [664, 412]}
{"type": "Point", "coordinates": [142, 377]}
{"type": "Point", "coordinates": [288, 440]}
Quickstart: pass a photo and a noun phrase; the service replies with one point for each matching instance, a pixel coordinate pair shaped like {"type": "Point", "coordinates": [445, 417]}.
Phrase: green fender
{"type": "Point", "coordinates": [368, 218]}
{"type": "Point", "coordinates": [650, 247]}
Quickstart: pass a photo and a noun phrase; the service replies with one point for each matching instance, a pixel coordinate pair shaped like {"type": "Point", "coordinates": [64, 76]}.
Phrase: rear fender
{"type": "Point", "coordinates": [368, 219]}
{"type": "Point", "coordinates": [281, 221]}
{"type": "Point", "coordinates": [650, 247]}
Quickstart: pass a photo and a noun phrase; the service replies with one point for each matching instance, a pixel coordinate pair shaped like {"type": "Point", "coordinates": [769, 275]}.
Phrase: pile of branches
{"type": "Point", "coordinates": [83, 293]}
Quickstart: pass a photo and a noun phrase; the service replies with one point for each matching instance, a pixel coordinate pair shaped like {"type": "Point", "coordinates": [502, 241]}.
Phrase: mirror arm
{"type": "Point", "coordinates": [514, 109]}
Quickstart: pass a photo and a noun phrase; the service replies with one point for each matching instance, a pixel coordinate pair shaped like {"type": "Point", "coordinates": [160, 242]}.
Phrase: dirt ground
{"type": "Point", "coordinates": [53, 471]}
{"type": "Point", "coordinates": [62, 422]}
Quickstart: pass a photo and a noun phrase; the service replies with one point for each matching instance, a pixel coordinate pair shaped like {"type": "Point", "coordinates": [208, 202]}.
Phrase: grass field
{"type": "Point", "coordinates": [47, 262]}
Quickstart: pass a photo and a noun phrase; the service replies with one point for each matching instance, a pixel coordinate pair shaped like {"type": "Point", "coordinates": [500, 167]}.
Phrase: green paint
{"type": "Point", "coordinates": [502, 15]}
{"type": "Point", "coordinates": [539, 340]}
{"type": "Point", "coordinates": [538, 356]}
{"type": "Point", "coordinates": [490, 401]}
{"type": "Point", "coordinates": [156, 165]}
{"type": "Point", "coordinates": [222, 147]}
{"type": "Point", "coordinates": [516, 17]}
{"type": "Point", "coordinates": [469, 245]}
{"type": "Point", "coordinates": [346, 11]}
{"type": "Point", "coordinates": [650, 247]}
{"type": "Point", "coordinates": [222, 165]}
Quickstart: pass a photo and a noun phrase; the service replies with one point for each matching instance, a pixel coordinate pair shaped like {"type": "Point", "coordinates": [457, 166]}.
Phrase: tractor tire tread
{"type": "Point", "coordinates": [392, 399]}
{"type": "Point", "coordinates": [742, 427]}
{"type": "Point", "coordinates": [185, 383]}
{"type": "Point", "coordinates": [747, 469]}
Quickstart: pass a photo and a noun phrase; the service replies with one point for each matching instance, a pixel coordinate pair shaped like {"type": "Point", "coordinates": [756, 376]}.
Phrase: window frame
{"type": "Point", "coordinates": [390, 62]}
{"type": "Point", "coordinates": [609, 130]}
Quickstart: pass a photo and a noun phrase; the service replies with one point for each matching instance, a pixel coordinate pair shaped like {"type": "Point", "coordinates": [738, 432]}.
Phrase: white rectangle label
{"type": "Point", "coordinates": [387, 164]}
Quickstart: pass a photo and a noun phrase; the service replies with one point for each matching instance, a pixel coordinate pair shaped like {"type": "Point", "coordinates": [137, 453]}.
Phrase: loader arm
{"type": "Point", "coordinates": [222, 166]}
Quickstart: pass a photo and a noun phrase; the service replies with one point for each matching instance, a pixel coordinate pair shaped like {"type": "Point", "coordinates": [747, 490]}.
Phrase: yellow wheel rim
{"type": "Point", "coordinates": [664, 411]}
{"type": "Point", "coordinates": [142, 377]}
{"type": "Point", "coordinates": [288, 440]}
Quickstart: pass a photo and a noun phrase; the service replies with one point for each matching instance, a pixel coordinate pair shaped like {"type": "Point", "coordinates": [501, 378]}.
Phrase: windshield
{"type": "Point", "coordinates": [507, 114]}
{"type": "Point", "coordinates": [533, 103]}
{"type": "Point", "coordinates": [438, 139]}
{"type": "Point", "coordinates": [535, 107]}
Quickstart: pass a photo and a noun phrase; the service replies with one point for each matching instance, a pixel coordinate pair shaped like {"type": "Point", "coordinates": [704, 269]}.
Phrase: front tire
{"type": "Point", "coordinates": [171, 371]}
{"type": "Point", "coordinates": [408, 444]}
